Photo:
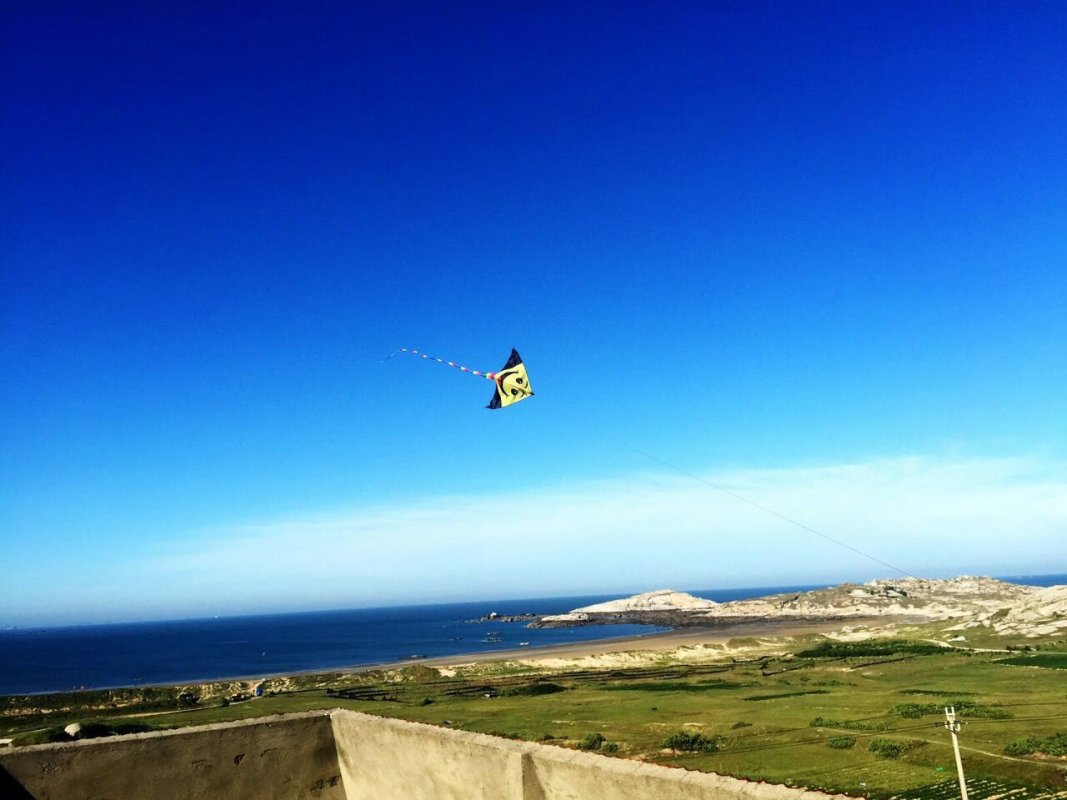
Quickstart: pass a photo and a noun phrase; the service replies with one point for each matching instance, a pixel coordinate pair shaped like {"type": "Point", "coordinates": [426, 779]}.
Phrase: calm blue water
{"type": "Point", "coordinates": [103, 656]}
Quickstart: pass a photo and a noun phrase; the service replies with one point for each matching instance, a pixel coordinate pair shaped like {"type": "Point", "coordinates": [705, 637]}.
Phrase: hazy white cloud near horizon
{"type": "Point", "coordinates": [928, 516]}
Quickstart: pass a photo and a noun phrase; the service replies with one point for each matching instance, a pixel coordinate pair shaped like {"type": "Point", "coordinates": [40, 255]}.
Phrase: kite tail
{"type": "Point", "coordinates": [490, 376]}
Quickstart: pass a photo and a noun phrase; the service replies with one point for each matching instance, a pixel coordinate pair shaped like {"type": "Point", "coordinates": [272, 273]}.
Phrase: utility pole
{"type": "Point", "coordinates": [953, 727]}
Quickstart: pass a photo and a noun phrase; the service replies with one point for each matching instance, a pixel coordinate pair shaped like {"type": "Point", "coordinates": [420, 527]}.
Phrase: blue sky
{"type": "Point", "coordinates": [817, 253]}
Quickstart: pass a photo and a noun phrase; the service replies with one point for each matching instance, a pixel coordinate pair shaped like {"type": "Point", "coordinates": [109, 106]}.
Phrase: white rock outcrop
{"type": "Point", "coordinates": [659, 600]}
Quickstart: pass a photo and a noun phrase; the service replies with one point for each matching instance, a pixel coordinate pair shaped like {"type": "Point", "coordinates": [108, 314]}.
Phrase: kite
{"type": "Point", "coordinates": [512, 383]}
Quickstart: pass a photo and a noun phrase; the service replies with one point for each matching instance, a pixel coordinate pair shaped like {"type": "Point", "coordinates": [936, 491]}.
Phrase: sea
{"type": "Point", "coordinates": [57, 659]}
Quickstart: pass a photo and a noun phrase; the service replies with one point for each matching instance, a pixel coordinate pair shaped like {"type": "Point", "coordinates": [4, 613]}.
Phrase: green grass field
{"type": "Point", "coordinates": [769, 719]}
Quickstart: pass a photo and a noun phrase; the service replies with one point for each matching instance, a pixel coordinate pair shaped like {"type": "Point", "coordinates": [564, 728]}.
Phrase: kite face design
{"type": "Point", "coordinates": [512, 382]}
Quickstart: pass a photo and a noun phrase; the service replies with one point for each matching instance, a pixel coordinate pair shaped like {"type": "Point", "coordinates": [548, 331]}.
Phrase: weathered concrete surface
{"type": "Point", "coordinates": [289, 757]}
{"type": "Point", "coordinates": [344, 755]}
{"type": "Point", "coordinates": [386, 759]}
{"type": "Point", "coordinates": [557, 774]}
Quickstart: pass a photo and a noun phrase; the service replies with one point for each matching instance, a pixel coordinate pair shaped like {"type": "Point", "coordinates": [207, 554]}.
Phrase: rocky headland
{"type": "Point", "coordinates": [1006, 608]}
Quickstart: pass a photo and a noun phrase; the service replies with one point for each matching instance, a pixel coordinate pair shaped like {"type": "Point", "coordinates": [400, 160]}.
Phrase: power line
{"type": "Point", "coordinates": [1014, 719]}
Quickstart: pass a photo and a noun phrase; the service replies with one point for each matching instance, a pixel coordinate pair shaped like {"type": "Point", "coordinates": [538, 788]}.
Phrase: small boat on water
{"type": "Point", "coordinates": [493, 637]}
{"type": "Point", "coordinates": [524, 644]}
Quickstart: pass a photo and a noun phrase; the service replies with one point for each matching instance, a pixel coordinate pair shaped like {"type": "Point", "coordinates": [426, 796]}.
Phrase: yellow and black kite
{"type": "Point", "coordinates": [512, 383]}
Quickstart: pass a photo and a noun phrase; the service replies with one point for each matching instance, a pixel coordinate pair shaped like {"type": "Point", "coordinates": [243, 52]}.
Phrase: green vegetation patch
{"type": "Point", "coordinates": [672, 686]}
{"type": "Point", "coordinates": [691, 742]}
{"type": "Point", "coordinates": [597, 742]}
{"type": "Point", "coordinates": [1054, 745]}
{"type": "Point", "coordinates": [964, 708]}
{"type": "Point", "coordinates": [872, 647]}
{"type": "Point", "coordinates": [758, 697]}
{"type": "Point", "coordinates": [891, 748]}
{"type": "Point", "coordinates": [841, 742]}
{"type": "Point", "coordinates": [848, 724]}
{"type": "Point", "coordinates": [591, 742]}
{"type": "Point", "coordinates": [1046, 660]}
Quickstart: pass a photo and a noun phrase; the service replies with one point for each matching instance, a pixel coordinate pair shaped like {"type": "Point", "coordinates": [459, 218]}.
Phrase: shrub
{"type": "Point", "coordinates": [591, 742]}
{"type": "Point", "coordinates": [741, 724]}
{"type": "Point", "coordinates": [886, 748]}
{"type": "Point", "coordinates": [1023, 747]}
{"type": "Point", "coordinates": [691, 742]}
{"type": "Point", "coordinates": [841, 743]}
{"type": "Point", "coordinates": [609, 747]}
{"type": "Point", "coordinates": [1054, 745]}
{"type": "Point", "coordinates": [188, 699]}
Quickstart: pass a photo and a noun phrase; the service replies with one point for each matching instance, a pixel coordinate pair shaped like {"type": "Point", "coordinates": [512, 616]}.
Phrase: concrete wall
{"type": "Point", "coordinates": [291, 757]}
{"type": "Point", "coordinates": [385, 759]}
{"type": "Point", "coordinates": [344, 755]}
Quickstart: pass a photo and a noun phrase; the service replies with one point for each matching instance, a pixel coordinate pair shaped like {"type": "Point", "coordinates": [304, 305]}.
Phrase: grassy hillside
{"type": "Point", "coordinates": [864, 720]}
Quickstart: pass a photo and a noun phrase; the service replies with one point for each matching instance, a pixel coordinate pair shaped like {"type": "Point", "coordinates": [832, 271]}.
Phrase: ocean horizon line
{"type": "Point", "coordinates": [1039, 579]}
{"type": "Point", "coordinates": [205, 649]}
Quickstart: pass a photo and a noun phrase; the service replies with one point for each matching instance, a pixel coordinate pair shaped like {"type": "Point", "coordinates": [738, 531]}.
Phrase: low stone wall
{"type": "Point", "coordinates": [289, 757]}
{"type": "Point", "coordinates": [344, 755]}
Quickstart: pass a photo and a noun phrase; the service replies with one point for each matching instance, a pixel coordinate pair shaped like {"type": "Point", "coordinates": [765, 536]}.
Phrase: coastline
{"type": "Point", "coordinates": [547, 656]}
{"type": "Point", "coordinates": [194, 652]}
{"type": "Point", "coordinates": [649, 642]}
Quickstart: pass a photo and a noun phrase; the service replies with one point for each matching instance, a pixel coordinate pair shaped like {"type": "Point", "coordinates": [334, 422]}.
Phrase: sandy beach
{"type": "Point", "coordinates": [652, 645]}
{"type": "Point", "coordinates": [681, 644]}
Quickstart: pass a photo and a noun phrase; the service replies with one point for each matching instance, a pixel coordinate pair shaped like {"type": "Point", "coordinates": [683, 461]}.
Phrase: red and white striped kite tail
{"type": "Point", "coordinates": [490, 376]}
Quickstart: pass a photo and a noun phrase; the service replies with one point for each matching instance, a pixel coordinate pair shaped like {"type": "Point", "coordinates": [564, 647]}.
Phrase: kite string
{"type": "Point", "coordinates": [754, 504]}
{"type": "Point", "coordinates": [492, 377]}
{"type": "Point", "coordinates": [489, 376]}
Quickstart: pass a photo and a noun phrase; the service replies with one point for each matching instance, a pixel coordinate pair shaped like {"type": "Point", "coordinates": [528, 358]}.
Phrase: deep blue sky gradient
{"type": "Point", "coordinates": [732, 234]}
